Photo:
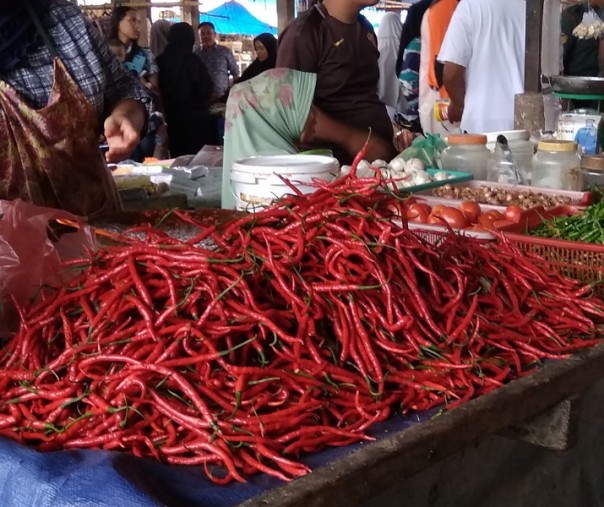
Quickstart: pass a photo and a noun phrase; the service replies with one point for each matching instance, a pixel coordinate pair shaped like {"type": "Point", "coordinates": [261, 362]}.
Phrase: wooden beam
{"type": "Point", "coordinates": [371, 469]}
{"type": "Point", "coordinates": [534, 32]}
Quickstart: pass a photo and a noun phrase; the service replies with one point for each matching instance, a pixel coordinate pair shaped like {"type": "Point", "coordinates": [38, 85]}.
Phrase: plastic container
{"type": "Point", "coordinates": [522, 149]}
{"type": "Point", "coordinates": [557, 165]}
{"type": "Point", "coordinates": [593, 172]}
{"type": "Point", "coordinates": [467, 153]}
{"type": "Point", "coordinates": [257, 181]}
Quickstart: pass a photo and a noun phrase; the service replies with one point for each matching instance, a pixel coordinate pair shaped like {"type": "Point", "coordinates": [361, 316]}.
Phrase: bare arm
{"type": "Point", "coordinates": [454, 78]}
{"type": "Point", "coordinates": [323, 129]}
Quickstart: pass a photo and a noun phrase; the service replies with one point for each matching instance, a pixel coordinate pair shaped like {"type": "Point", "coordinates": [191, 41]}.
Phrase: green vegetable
{"type": "Point", "coordinates": [587, 227]}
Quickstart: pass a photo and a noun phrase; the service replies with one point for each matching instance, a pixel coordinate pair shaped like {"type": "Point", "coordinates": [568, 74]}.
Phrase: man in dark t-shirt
{"type": "Point", "coordinates": [335, 42]}
{"type": "Point", "coordinates": [580, 55]}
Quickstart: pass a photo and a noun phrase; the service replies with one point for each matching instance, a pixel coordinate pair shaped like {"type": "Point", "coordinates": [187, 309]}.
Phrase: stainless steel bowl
{"type": "Point", "coordinates": [576, 85]}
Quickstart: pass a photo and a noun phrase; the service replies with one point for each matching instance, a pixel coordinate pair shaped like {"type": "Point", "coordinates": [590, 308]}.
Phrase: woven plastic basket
{"type": "Point", "coordinates": [582, 261]}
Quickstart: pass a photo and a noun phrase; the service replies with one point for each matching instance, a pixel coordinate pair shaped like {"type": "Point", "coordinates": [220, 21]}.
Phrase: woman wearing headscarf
{"type": "Point", "coordinates": [159, 36]}
{"type": "Point", "coordinates": [60, 86]}
{"type": "Point", "coordinates": [265, 46]}
{"type": "Point", "coordinates": [186, 88]}
{"type": "Point", "coordinates": [275, 113]}
{"type": "Point", "coordinates": [389, 37]}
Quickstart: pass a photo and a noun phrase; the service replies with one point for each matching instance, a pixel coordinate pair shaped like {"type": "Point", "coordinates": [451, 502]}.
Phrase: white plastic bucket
{"type": "Point", "coordinates": [256, 181]}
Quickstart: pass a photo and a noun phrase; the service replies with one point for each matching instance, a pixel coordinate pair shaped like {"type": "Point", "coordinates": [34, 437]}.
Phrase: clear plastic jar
{"type": "Point", "coordinates": [593, 172]}
{"type": "Point", "coordinates": [522, 149]}
{"type": "Point", "coordinates": [557, 165]}
{"type": "Point", "coordinates": [468, 153]}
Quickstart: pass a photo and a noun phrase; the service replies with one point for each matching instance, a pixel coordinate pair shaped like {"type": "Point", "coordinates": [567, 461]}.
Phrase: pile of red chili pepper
{"type": "Point", "coordinates": [305, 325]}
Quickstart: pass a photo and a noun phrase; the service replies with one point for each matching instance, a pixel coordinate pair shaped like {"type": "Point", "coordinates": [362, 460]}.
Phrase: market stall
{"type": "Point", "coordinates": [348, 335]}
{"type": "Point", "coordinates": [405, 418]}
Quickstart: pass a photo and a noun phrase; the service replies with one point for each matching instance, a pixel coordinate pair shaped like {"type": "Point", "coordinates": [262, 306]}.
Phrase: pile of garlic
{"type": "Point", "coordinates": [592, 27]}
{"type": "Point", "coordinates": [405, 174]}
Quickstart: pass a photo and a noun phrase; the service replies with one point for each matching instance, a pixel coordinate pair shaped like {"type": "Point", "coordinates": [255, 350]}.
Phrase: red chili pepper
{"type": "Point", "coordinates": [359, 157]}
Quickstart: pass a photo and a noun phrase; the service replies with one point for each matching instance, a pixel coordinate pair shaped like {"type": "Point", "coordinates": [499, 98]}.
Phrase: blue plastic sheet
{"type": "Point", "coordinates": [233, 18]}
{"type": "Point", "coordinates": [104, 479]}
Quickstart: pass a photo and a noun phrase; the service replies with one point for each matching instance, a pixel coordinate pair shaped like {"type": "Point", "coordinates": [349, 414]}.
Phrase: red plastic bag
{"type": "Point", "coordinates": [29, 258]}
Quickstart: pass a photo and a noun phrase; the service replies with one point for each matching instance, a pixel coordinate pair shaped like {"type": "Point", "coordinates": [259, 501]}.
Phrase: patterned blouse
{"type": "Point", "coordinates": [87, 58]}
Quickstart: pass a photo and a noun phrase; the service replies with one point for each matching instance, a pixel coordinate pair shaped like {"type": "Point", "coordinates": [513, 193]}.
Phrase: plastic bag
{"type": "Point", "coordinates": [428, 149]}
{"type": "Point", "coordinates": [591, 27]}
{"type": "Point", "coordinates": [29, 258]}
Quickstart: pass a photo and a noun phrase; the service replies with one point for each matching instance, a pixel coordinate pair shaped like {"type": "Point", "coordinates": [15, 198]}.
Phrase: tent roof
{"type": "Point", "coordinates": [233, 18]}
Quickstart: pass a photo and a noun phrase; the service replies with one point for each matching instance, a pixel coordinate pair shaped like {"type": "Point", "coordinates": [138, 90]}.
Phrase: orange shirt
{"type": "Point", "coordinates": [439, 17]}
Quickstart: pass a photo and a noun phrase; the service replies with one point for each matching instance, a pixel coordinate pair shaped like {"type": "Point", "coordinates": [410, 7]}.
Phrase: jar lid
{"type": "Point", "coordinates": [593, 163]}
{"type": "Point", "coordinates": [557, 146]}
{"type": "Point", "coordinates": [467, 139]}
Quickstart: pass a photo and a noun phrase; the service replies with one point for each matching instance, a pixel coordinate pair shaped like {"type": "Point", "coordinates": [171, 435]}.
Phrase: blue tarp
{"type": "Point", "coordinates": [105, 479]}
{"type": "Point", "coordinates": [233, 18]}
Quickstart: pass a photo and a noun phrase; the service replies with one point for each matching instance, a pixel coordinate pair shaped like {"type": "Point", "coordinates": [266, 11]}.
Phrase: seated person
{"type": "Point", "coordinates": [274, 113]}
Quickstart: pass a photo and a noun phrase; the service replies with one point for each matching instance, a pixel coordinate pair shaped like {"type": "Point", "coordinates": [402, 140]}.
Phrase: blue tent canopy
{"type": "Point", "coordinates": [233, 18]}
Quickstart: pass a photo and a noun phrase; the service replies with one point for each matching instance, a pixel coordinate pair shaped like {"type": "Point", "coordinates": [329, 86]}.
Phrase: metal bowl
{"type": "Point", "coordinates": [577, 85]}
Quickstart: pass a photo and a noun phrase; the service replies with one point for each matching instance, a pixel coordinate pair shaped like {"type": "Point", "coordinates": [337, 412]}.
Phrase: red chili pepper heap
{"type": "Point", "coordinates": [308, 323]}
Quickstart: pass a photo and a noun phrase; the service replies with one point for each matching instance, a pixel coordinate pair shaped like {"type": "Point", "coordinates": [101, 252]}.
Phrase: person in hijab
{"type": "Point", "coordinates": [60, 86]}
{"type": "Point", "coordinates": [186, 88]}
{"type": "Point", "coordinates": [276, 113]}
{"type": "Point", "coordinates": [265, 46]}
{"type": "Point", "coordinates": [389, 37]}
{"type": "Point", "coordinates": [159, 36]}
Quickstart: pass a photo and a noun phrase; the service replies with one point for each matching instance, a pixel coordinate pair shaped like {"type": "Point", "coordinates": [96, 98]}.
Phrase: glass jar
{"type": "Point", "coordinates": [593, 172]}
{"type": "Point", "coordinates": [557, 165]}
{"type": "Point", "coordinates": [467, 153]}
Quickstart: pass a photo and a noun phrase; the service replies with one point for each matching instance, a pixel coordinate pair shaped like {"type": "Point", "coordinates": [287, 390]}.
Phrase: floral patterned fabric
{"type": "Point", "coordinates": [265, 116]}
{"type": "Point", "coordinates": [50, 156]}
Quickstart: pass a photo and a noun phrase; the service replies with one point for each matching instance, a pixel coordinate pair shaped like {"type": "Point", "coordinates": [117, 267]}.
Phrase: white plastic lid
{"type": "Point", "coordinates": [287, 164]}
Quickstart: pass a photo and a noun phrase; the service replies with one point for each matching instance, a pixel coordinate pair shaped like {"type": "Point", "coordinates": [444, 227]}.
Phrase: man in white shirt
{"type": "Point", "coordinates": [483, 53]}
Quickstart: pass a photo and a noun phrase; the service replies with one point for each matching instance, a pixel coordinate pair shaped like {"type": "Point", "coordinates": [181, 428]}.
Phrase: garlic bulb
{"type": "Point", "coordinates": [397, 165]}
{"type": "Point", "coordinates": [414, 165]}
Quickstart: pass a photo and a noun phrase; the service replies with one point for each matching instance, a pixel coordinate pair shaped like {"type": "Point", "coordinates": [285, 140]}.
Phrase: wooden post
{"type": "Point", "coordinates": [285, 12]}
{"type": "Point", "coordinates": [190, 14]}
{"type": "Point", "coordinates": [534, 31]}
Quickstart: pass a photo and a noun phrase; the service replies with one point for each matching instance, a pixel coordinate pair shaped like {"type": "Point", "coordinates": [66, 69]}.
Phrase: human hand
{"type": "Point", "coordinates": [122, 137]}
{"type": "Point", "coordinates": [454, 113]}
